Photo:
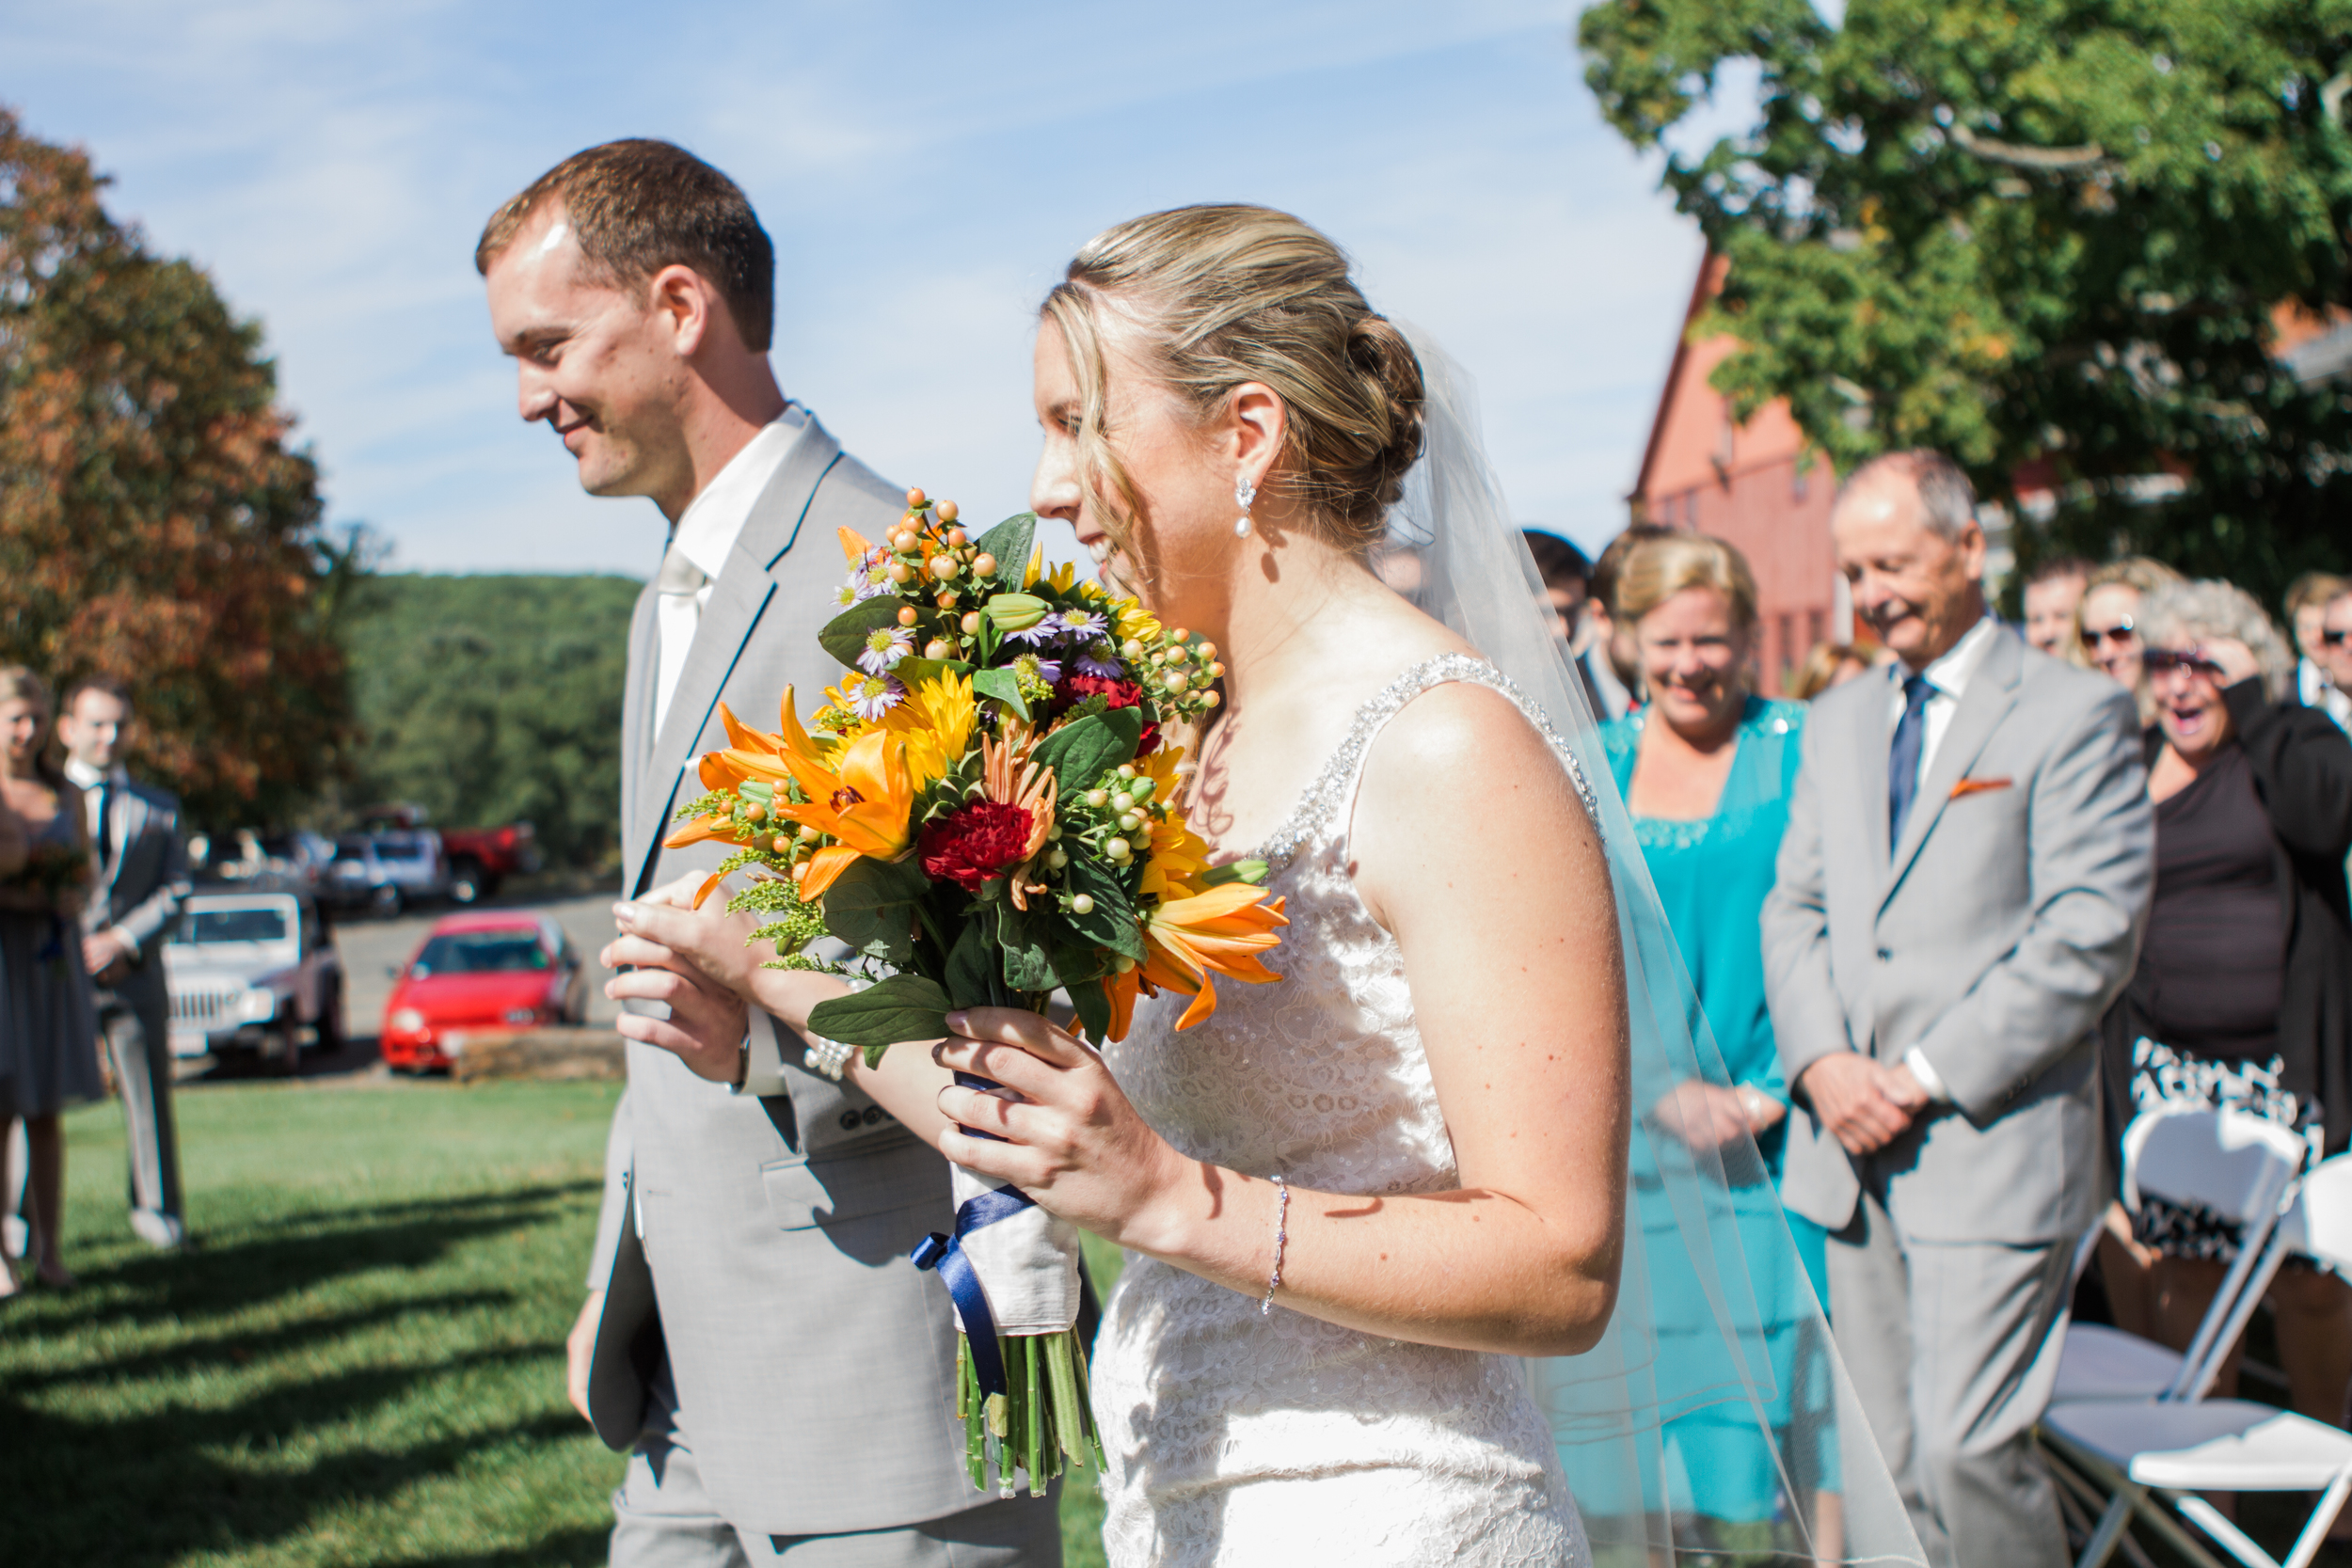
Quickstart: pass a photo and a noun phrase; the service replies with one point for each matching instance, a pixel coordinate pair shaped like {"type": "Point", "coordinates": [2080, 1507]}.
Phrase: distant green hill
{"type": "Point", "coordinates": [486, 699]}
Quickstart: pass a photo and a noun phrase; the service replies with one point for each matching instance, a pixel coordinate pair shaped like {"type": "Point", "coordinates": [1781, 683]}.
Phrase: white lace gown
{"type": "Point", "coordinates": [1237, 1439]}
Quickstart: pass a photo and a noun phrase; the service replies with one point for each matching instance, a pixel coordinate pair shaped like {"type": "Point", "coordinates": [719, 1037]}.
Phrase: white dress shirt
{"type": "Point", "coordinates": [1948, 678]}
{"type": "Point", "coordinates": [705, 535]}
{"type": "Point", "coordinates": [91, 782]}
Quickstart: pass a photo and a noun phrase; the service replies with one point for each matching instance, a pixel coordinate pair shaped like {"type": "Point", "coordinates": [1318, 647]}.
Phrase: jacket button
{"type": "Point", "coordinates": [848, 1121]}
{"type": "Point", "coordinates": [1885, 953]}
{"type": "Point", "coordinates": [874, 1115]}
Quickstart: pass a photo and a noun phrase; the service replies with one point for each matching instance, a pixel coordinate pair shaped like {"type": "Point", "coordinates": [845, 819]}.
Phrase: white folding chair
{"type": "Point", "coordinates": [2167, 1452]}
{"type": "Point", "coordinates": [2239, 1166]}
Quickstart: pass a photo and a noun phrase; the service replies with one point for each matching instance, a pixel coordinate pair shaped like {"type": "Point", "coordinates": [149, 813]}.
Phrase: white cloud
{"type": "Point", "coordinates": [925, 170]}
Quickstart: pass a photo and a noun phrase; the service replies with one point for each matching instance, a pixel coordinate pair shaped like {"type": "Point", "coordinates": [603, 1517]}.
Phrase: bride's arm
{"type": "Point", "coordinates": [1472, 847]}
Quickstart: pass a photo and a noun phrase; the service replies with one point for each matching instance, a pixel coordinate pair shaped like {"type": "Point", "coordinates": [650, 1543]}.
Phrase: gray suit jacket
{"type": "Point", "coordinates": [142, 891]}
{"type": "Point", "coordinates": [814, 1364]}
{"type": "Point", "coordinates": [1992, 938]}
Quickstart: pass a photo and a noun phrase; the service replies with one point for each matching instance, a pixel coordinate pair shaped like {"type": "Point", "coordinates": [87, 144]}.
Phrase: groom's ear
{"type": "Point", "coordinates": [689, 307]}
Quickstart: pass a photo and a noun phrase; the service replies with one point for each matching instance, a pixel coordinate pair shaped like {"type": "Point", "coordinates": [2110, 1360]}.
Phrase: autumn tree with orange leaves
{"type": "Point", "coordinates": [154, 525]}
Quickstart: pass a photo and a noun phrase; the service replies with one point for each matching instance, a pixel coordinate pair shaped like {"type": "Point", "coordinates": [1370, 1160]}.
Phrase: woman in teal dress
{"type": "Point", "coordinates": [1705, 768]}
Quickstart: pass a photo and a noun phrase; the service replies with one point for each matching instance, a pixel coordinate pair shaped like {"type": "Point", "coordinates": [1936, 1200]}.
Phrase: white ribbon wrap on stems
{"type": "Point", "coordinates": [1027, 1263]}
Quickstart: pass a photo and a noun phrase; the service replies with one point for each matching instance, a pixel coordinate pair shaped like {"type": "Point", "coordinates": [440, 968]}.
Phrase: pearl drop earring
{"type": "Point", "coordinates": [1244, 493]}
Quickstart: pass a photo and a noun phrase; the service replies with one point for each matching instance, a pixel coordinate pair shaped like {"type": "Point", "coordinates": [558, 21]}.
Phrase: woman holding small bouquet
{"type": "Point", "coordinates": [48, 1032]}
{"type": "Point", "coordinates": [1361, 1202]}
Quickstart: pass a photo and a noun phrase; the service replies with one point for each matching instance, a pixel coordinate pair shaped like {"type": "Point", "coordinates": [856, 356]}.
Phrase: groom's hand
{"type": "Point", "coordinates": [708, 1022]}
{"type": "Point", "coordinates": [1849, 1095]}
{"type": "Point", "coordinates": [580, 1348]}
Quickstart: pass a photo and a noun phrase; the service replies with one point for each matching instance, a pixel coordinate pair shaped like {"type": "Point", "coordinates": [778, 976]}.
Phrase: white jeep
{"type": "Point", "coordinates": [253, 973]}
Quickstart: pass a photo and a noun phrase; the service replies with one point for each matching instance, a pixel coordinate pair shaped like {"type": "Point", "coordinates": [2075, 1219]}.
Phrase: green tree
{"type": "Point", "coordinates": [491, 699]}
{"type": "Point", "coordinates": [153, 523]}
{"type": "Point", "coordinates": [2030, 230]}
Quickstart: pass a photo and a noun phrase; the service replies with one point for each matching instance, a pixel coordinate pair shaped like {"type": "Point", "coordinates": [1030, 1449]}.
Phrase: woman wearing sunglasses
{"type": "Point", "coordinates": [2107, 622]}
{"type": "Point", "coordinates": [2243, 996]}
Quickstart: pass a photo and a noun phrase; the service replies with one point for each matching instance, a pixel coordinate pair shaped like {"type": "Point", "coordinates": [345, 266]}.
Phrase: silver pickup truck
{"type": "Point", "coordinates": [253, 973]}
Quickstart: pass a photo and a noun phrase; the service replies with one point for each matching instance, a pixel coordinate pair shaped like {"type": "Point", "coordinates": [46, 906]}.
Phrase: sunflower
{"type": "Point", "coordinates": [935, 721]}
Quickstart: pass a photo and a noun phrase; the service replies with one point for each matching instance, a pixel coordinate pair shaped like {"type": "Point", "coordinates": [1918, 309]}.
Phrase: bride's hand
{"type": "Point", "coordinates": [1072, 1142]}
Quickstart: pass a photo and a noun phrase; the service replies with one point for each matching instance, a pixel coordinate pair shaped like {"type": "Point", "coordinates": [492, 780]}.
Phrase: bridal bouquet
{"type": "Point", "coordinates": [985, 810]}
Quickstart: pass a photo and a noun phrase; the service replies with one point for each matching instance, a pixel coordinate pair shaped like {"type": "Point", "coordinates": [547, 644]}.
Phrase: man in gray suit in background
{"type": "Point", "coordinates": [1961, 893]}
{"type": "Point", "coordinates": [754, 1331]}
{"type": "Point", "coordinates": [142, 880]}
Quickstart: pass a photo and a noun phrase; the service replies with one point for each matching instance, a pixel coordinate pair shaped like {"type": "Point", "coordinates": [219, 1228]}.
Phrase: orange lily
{"type": "Point", "coordinates": [863, 797]}
{"type": "Point", "coordinates": [750, 755]}
{"type": "Point", "coordinates": [854, 545]}
{"type": "Point", "coordinates": [1218, 932]}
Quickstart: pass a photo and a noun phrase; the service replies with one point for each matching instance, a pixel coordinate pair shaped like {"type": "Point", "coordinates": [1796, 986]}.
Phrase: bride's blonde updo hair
{"type": "Point", "coordinates": [1225, 295]}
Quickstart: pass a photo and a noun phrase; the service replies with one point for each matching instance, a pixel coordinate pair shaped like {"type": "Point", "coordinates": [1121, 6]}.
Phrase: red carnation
{"type": "Point", "coordinates": [970, 845]}
{"type": "Point", "coordinates": [1077, 688]}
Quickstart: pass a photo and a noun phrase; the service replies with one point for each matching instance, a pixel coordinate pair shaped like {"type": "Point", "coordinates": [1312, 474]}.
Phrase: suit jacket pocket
{"type": "Point", "coordinates": [903, 1174]}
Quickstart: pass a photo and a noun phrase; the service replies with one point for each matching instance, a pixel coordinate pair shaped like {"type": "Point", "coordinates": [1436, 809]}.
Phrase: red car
{"type": "Point", "coordinates": [507, 970]}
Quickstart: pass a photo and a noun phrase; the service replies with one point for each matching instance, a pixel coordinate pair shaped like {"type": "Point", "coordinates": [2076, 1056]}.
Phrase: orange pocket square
{"type": "Point", "coordinates": [1977, 786]}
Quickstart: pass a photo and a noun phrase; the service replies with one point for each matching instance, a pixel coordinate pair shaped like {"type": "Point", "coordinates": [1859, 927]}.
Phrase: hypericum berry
{"type": "Point", "coordinates": [1081, 903]}
{"type": "Point", "coordinates": [983, 565]}
{"type": "Point", "coordinates": [945, 566]}
{"type": "Point", "coordinates": [1131, 650]}
{"type": "Point", "coordinates": [938, 648]}
{"type": "Point", "coordinates": [1098, 799]}
{"type": "Point", "coordinates": [956, 539]}
{"type": "Point", "coordinates": [901, 572]}
{"type": "Point", "coordinates": [1126, 769]}
{"type": "Point", "coordinates": [780, 844]}
{"type": "Point", "coordinates": [949, 512]}
{"type": "Point", "coordinates": [1216, 672]}
{"type": "Point", "coordinates": [1057, 859]}
{"type": "Point", "coordinates": [971, 621]}
{"type": "Point", "coordinates": [1176, 634]}
{"type": "Point", "coordinates": [808, 833]}
{"type": "Point", "coordinates": [1120, 850]}
{"type": "Point", "coordinates": [1175, 682]}
{"type": "Point", "coordinates": [755, 812]}
{"type": "Point", "coordinates": [1209, 699]}
{"type": "Point", "coordinates": [916, 499]}
{"type": "Point", "coordinates": [1129, 822]}
{"type": "Point", "coordinates": [947, 599]}
{"type": "Point", "coordinates": [799, 872]}
{"type": "Point", "coordinates": [1179, 654]}
{"type": "Point", "coordinates": [1206, 649]}
{"type": "Point", "coordinates": [906, 615]}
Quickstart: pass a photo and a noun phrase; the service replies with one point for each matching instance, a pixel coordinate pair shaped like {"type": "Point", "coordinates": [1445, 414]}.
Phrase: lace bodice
{"type": "Point", "coordinates": [1214, 1416]}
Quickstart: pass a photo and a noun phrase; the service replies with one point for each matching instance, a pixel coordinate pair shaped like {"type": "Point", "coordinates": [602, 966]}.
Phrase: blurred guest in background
{"type": "Point", "coordinates": [2051, 592]}
{"type": "Point", "coordinates": [2106, 624]}
{"type": "Point", "coordinates": [2307, 621]}
{"type": "Point", "coordinates": [2243, 994]}
{"type": "Point", "coordinates": [51, 1041]}
{"type": "Point", "coordinates": [1959, 898]}
{"type": "Point", "coordinates": [1829, 664]}
{"type": "Point", "coordinates": [1613, 667]}
{"type": "Point", "coordinates": [1568, 577]}
{"type": "Point", "coordinates": [142, 879]}
{"type": "Point", "coordinates": [2335, 655]}
{"type": "Point", "coordinates": [1705, 768]}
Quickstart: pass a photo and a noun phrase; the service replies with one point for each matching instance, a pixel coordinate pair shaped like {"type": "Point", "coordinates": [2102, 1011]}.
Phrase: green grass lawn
{"type": "Point", "coordinates": [362, 1365]}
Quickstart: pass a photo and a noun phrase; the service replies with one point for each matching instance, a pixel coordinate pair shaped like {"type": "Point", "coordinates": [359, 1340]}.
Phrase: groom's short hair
{"type": "Point", "coordinates": [640, 205]}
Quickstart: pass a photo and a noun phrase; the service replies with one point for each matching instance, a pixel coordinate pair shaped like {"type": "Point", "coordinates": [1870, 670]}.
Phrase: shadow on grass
{"type": "Point", "coordinates": [269, 1387]}
{"type": "Point", "coordinates": [571, 1548]}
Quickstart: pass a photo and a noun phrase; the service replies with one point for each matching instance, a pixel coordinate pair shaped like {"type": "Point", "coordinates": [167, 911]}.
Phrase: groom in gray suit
{"type": "Point", "coordinates": [1961, 893]}
{"type": "Point", "coordinates": [753, 1331]}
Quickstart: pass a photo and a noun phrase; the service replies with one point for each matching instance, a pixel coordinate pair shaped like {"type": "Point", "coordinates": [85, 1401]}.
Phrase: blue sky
{"type": "Point", "coordinates": [926, 169]}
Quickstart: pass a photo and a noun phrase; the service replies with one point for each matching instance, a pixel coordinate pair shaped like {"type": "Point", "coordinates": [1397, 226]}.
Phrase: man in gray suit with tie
{"type": "Point", "coordinates": [1960, 895]}
{"type": "Point", "coordinates": [142, 880]}
{"type": "Point", "coordinates": [754, 1331]}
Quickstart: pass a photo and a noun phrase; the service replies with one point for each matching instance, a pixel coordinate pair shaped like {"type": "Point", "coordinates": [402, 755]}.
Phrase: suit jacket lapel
{"type": "Point", "coordinates": [1873, 739]}
{"type": "Point", "coordinates": [739, 598]}
{"type": "Point", "coordinates": [1992, 692]}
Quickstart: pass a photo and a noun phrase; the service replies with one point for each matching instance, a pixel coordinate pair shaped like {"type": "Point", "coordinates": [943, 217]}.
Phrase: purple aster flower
{"type": "Point", "coordinates": [884, 647]}
{"type": "Point", "coordinates": [874, 696]}
{"type": "Point", "coordinates": [1096, 658]}
{"type": "Point", "coordinates": [1037, 667]}
{"type": "Point", "coordinates": [1081, 625]}
{"type": "Point", "coordinates": [1045, 632]}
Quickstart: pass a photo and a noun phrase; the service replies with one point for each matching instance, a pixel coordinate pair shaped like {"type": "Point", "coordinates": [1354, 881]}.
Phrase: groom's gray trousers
{"type": "Point", "coordinates": [661, 1518]}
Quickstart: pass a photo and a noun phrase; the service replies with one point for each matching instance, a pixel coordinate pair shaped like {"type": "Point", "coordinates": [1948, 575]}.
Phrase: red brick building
{"type": "Point", "coordinates": [1756, 485]}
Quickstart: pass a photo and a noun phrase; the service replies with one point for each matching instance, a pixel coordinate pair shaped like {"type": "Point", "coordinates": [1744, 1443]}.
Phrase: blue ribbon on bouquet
{"type": "Point", "coordinates": [946, 1254]}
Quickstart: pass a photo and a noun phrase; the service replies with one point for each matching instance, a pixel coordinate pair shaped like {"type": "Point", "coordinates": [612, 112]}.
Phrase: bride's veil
{"type": "Point", "coordinates": [1716, 1325]}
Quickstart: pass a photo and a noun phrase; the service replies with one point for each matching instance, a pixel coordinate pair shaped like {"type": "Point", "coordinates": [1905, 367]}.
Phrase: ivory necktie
{"type": "Point", "coordinates": [677, 612]}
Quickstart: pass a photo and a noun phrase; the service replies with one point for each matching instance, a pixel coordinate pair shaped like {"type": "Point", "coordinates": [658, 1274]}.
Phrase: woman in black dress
{"type": "Point", "coordinates": [2243, 996]}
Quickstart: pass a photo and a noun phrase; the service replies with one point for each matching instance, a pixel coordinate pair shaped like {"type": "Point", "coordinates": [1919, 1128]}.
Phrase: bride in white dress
{"type": "Point", "coordinates": [1440, 1079]}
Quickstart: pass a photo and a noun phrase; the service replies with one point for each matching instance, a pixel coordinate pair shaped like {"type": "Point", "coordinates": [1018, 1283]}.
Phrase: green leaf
{"type": "Point", "coordinates": [1080, 754]}
{"type": "Point", "coordinates": [844, 635]}
{"type": "Point", "coordinates": [1076, 963]}
{"type": "Point", "coordinates": [1027, 937]}
{"type": "Point", "coordinates": [871, 906]}
{"type": "Point", "coordinates": [1112, 921]}
{"type": "Point", "coordinates": [1093, 1005]}
{"type": "Point", "coordinates": [903, 1007]}
{"type": "Point", "coordinates": [1253, 872]}
{"type": "Point", "coordinates": [911, 670]}
{"type": "Point", "coordinates": [971, 965]}
{"type": "Point", "coordinates": [1003, 686]}
{"type": "Point", "coordinates": [1010, 542]}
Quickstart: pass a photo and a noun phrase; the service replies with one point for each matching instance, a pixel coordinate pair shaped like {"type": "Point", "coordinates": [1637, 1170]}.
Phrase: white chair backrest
{"type": "Point", "coordinates": [2234, 1163]}
{"type": "Point", "coordinates": [2320, 1223]}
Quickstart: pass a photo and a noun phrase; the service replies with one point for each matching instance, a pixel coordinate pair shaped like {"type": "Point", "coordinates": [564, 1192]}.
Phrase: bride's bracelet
{"type": "Point", "coordinates": [1282, 1238]}
{"type": "Point", "coordinates": [827, 1059]}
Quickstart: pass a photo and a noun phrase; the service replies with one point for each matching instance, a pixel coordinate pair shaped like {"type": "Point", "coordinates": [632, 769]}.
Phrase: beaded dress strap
{"type": "Point", "coordinates": [1337, 782]}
